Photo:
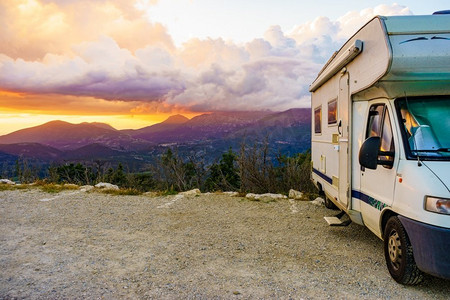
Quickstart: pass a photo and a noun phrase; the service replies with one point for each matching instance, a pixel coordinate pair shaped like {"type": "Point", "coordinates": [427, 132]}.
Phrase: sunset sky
{"type": "Point", "coordinates": [134, 63]}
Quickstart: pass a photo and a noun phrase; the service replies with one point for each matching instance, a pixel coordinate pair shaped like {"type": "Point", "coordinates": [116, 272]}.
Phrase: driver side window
{"type": "Point", "coordinates": [379, 124]}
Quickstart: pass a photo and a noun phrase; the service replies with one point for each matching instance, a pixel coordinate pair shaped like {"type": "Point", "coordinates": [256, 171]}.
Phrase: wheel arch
{"type": "Point", "coordinates": [385, 216]}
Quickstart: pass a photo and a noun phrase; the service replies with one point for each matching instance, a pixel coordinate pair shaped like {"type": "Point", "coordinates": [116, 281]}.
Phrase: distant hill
{"type": "Point", "coordinates": [65, 136]}
{"type": "Point", "coordinates": [207, 136]}
{"type": "Point", "coordinates": [148, 133]}
{"type": "Point", "coordinates": [207, 126]}
{"type": "Point", "coordinates": [31, 150]}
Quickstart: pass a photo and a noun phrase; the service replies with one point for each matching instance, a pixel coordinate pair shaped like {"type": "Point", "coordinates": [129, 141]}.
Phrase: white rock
{"type": "Point", "coordinates": [318, 201]}
{"type": "Point", "coordinates": [231, 194]}
{"type": "Point", "coordinates": [86, 188]}
{"type": "Point", "coordinates": [106, 186]}
{"type": "Point", "coordinates": [191, 192]}
{"type": "Point", "coordinates": [293, 194]}
{"type": "Point", "coordinates": [7, 181]}
{"type": "Point", "coordinates": [265, 197]}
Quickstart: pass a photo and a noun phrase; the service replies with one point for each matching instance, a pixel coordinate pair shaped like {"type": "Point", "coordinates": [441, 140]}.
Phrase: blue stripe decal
{"type": "Point", "coordinates": [369, 200]}
{"type": "Point", "coordinates": [327, 179]}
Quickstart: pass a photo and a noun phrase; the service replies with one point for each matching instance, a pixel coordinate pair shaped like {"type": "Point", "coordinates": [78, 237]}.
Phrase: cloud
{"type": "Point", "coordinates": [110, 51]}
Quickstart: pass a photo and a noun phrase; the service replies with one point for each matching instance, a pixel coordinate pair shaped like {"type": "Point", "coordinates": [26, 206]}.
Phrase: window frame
{"type": "Point", "coordinates": [385, 111]}
{"type": "Point", "coordinates": [318, 108]}
{"type": "Point", "coordinates": [335, 122]}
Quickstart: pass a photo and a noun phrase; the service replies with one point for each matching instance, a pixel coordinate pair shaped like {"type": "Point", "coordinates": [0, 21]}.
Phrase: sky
{"type": "Point", "coordinates": [134, 63]}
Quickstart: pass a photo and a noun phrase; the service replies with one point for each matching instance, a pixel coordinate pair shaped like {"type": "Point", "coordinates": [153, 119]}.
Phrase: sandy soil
{"type": "Point", "coordinates": [91, 245]}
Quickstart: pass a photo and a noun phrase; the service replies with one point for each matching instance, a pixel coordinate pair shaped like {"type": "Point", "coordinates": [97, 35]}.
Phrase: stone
{"type": "Point", "coordinates": [296, 195]}
{"type": "Point", "coordinates": [106, 186]}
{"type": "Point", "coordinates": [191, 192]}
{"type": "Point", "coordinates": [231, 194]}
{"type": "Point", "coordinates": [7, 181]}
{"type": "Point", "coordinates": [265, 197]}
{"type": "Point", "coordinates": [86, 188]}
{"type": "Point", "coordinates": [318, 201]}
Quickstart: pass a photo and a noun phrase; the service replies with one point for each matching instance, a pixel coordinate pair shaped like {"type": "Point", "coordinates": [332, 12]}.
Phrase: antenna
{"type": "Point", "coordinates": [419, 163]}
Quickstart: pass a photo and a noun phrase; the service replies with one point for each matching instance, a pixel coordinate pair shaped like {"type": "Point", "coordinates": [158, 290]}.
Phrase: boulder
{"type": "Point", "coordinates": [318, 201]}
{"type": "Point", "coordinates": [7, 181]}
{"type": "Point", "coordinates": [106, 186]}
{"type": "Point", "coordinates": [231, 194]}
{"type": "Point", "coordinates": [265, 197]}
{"type": "Point", "coordinates": [191, 192]}
{"type": "Point", "coordinates": [296, 195]}
{"type": "Point", "coordinates": [86, 188]}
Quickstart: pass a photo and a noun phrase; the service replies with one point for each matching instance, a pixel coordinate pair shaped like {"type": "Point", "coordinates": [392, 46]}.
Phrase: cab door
{"type": "Point", "coordinates": [377, 186]}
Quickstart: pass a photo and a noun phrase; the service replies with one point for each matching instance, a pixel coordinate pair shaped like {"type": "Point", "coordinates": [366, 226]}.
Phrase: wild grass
{"type": "Point", "coordinates": [11, 187]}
{"type": "Point", "coordinates": [53, 188]}
{"type": "Point", "coordinates": [122, 192]}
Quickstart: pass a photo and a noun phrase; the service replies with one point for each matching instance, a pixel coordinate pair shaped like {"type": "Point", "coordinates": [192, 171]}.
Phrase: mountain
{"type": "Point", "coordinates": [207, 126]}
{"type": "Point", "coordinates": [148, 133]}
{"type": "Point", "coordinates": [31, 150]}
{"type": "Point", "coordinates": [206, 136]}
{"type": "Point", "coordinates": [93, 151]}
{"type": "Point", "coordinates": [64, 136]}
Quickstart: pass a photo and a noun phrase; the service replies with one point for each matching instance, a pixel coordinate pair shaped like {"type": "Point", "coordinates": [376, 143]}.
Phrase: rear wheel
{"type": "Point", "coordinates": [399, 254]}
{"type": "Point", "coordinates": [329, 204]}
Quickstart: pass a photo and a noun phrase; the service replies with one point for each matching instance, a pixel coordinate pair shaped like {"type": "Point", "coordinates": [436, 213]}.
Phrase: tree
{"type": "Point", "coordinates": [224, 175]}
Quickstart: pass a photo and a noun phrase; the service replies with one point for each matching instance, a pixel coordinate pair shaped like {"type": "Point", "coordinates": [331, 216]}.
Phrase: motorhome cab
{"type": "Point", "coordinates": [381, 138]}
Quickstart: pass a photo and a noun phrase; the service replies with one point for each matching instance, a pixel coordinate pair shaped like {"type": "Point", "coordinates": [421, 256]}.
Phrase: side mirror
{"type": "Point", "coordinates": [368, 154]}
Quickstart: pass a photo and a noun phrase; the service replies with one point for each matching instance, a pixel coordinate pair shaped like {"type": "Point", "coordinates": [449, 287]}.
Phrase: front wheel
{"type": "Point", "coordinates": [398, 253]}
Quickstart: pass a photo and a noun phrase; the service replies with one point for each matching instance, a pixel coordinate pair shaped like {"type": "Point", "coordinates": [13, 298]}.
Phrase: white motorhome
{"type": "Point", "coordinates": [381, 139]}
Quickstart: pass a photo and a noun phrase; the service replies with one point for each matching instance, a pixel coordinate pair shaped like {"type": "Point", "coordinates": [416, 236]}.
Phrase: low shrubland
{"type": "Point", "coordinates": [252, 169]}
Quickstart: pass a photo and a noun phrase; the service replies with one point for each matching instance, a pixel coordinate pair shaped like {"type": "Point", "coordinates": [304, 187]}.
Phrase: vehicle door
{"type": "Point", "coordinates": [377, 186]}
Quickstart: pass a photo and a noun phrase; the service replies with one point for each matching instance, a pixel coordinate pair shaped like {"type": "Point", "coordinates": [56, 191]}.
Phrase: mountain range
{"type": "Point", "coordinates": [207, 135]}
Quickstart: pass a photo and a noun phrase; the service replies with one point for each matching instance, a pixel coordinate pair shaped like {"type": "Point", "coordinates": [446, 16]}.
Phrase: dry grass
{"type": "Point", "coordinates": [122, 192]}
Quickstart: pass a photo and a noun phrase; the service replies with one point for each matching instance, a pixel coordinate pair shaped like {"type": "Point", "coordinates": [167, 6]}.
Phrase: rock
{"type": "Point", "coordinates": [232, 194]}
{"type": "Point", "coordinates": [106, 186]}
{"type": "Point", "coordinates": [265, 197]}
{"type": "Point", "coordinates": [296, 195]}
{"type": "Point", "coordinates": [318, 201]}
{"type": "Point", "coordinates": [190, 193]}
{"type": "Point", "coordinates": [86, 188]}
{"type": "Point", "coordinates": [7, 181]}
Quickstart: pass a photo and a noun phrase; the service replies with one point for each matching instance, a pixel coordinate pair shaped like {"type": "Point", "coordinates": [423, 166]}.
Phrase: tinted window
{"type": "Point", "coordinates": [379, 124]}
{"type": "Point", "coordinates": [332, 112]}
{"type": "Point", "coordinates": [318, 120]}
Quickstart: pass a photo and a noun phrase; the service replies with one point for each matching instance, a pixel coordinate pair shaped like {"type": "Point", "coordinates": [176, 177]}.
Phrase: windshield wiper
{"type": "Point", "coordinates": [433, 150]}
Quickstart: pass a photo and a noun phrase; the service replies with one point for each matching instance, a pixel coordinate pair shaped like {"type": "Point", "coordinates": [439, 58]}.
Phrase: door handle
{"type": "Point", "coordinates": [339, 126]}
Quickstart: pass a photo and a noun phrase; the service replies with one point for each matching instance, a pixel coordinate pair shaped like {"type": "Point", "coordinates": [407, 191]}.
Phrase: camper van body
{"type": "Point", "coordinates": [392, 80]}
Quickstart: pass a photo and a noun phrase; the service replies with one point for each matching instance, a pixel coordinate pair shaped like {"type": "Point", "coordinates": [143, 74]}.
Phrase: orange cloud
{"type": "Point", "coordinates": [30, 29]}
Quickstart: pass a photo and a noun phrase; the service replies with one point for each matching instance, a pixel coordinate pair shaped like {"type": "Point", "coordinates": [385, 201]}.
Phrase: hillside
{"type": "Point", "coordinates": [66, 136]}
{"type": "Point", "coordinates": [207, 136]}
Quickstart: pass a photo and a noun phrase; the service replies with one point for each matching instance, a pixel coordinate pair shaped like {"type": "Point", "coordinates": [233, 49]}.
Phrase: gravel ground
{"type": "Point", "coordinates": [211, 246]}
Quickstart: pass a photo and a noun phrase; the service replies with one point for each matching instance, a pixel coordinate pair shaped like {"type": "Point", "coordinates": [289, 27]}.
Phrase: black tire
{"type": "Point", "coordinates": [329, 204]}
{"type": "Point", "coordinates": [398, 253]}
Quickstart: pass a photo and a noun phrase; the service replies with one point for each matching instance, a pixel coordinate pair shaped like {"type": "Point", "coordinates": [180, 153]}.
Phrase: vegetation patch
{"type": "Point", "coordinates": [122, 192]}
{"type": "Point", "coordinates": [12, 187]}
{"type": "Point", "coordinates": [53, 188]}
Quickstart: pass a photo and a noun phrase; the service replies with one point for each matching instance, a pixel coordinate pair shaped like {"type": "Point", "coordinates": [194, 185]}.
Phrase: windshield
{"type": "Point", "coordinates": [425, 122]}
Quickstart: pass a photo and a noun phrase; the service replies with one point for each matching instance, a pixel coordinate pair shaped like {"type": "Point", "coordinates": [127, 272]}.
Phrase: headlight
{"type": "Point", "coordinates": [437, 205]}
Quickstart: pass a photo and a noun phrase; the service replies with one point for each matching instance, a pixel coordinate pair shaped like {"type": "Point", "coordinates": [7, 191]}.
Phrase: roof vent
{"type": "Point", "coordinates": [442, 12]}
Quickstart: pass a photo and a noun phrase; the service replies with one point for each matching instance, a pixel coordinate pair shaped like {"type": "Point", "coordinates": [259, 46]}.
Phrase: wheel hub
{"type": "Point", "coordinates": [394, 248]}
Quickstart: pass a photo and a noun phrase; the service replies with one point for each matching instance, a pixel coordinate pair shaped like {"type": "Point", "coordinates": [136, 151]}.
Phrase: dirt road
{"type": "Point", "coordinates": [91, 245]}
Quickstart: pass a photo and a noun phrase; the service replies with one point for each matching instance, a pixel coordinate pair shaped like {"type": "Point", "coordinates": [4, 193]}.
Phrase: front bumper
{"type": "Point", "coordinates": [430, 246]}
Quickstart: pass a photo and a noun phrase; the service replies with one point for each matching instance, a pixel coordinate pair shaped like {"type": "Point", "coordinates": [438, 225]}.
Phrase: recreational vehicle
{"type": "Point", "coordinates": [381, 139]}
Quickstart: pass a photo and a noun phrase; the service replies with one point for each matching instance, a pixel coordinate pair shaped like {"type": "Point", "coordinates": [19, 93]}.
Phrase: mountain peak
{"type": "Point", "coordinates": [176, 119]}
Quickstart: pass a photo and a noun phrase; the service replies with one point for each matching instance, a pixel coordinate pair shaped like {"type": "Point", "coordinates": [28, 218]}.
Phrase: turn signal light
{"type": "Point", "coordinates": [437, 205]}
